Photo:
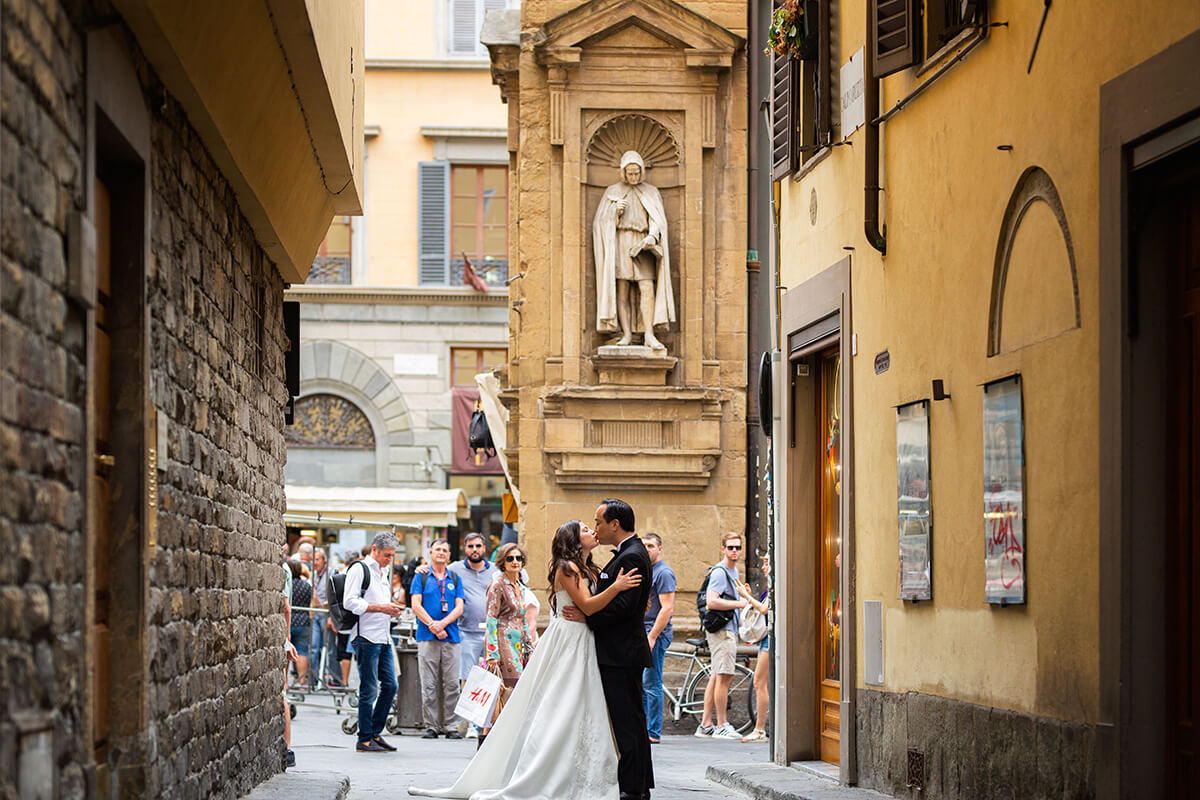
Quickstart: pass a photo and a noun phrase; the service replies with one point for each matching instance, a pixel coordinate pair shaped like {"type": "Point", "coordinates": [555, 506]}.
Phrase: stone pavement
{"type": "Point", "coordinates": [324, 755]}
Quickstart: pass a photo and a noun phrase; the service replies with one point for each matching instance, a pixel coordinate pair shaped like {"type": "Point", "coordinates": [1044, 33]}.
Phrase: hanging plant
{"type": "Point", "coordinates": [792, 29]}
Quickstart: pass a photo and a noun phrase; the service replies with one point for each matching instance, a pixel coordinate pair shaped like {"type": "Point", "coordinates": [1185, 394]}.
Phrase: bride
{"type": "Point", "coordinates": [553, 739]}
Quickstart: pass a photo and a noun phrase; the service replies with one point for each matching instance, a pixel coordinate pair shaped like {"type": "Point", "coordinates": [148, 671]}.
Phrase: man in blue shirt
{"type": "Point", "coordinates": [436, 598]}
{"type": "Point", "coordinates": [658, 633]}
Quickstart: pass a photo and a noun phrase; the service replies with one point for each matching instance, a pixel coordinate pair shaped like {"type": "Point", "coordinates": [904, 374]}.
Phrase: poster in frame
{"type": "Point", "coordinates": [914, 510]}
{"type": "Point", "coordinates": [1004, 491]}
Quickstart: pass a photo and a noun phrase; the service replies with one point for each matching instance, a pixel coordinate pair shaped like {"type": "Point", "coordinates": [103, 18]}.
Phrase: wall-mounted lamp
{"type": "Point", "coordinates": [939, 390]}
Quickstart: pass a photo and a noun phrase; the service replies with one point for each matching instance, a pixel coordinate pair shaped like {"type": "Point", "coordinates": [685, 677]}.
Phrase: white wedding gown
{"type": "Point", "coordinates": [553, 739]}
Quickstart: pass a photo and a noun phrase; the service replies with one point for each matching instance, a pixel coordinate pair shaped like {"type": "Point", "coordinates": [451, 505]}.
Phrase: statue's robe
{"type": "Point", "coordinates": [604, 245]}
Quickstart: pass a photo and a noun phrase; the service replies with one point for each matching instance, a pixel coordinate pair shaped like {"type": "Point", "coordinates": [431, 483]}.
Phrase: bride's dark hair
{"type": "Point", "coordinates": [567, 548]}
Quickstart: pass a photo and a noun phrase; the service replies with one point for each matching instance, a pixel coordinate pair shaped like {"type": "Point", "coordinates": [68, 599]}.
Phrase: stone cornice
{"type": "Point", "coordinates": [408, 295]}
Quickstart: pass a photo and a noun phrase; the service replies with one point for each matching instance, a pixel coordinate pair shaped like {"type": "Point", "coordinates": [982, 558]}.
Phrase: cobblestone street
{"type": "Point", "coordinates": [322, 750]}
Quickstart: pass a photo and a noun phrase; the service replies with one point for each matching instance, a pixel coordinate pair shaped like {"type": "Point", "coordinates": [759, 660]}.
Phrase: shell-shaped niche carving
{"type": "Point", "coordinates": [653, 142]}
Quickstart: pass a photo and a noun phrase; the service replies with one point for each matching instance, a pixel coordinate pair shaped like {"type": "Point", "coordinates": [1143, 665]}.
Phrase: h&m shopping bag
{"type": "Point", "coordinates": [478, 697]}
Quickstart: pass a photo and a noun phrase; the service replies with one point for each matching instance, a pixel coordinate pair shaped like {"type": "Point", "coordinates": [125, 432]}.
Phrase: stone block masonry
{"type": "Point", "coordinates": [916, 745]}
{"type": "Point", "coordinates": [213, 717]}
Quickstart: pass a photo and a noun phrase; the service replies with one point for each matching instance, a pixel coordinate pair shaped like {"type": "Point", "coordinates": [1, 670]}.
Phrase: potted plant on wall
{"type": "Point", "coordinates": [793, 31]}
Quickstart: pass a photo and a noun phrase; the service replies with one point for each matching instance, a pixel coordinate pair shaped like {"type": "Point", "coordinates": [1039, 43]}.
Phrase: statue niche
{"type": "Point", "coordinates": [633, 225]}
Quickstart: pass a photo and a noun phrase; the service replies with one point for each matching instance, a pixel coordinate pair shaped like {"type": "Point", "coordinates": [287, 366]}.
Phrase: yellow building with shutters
{"type": "Point", "coordinates": [392, 331]}
{"type": "Point", "coordinates": [985, 395]}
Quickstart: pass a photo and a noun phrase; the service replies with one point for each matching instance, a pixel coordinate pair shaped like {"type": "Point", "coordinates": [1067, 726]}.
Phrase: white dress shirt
{"type": "Point", "coordinates": [373, 626]}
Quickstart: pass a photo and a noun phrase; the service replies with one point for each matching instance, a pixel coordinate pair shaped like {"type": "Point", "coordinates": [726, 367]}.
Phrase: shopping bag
{"type": "Point", "coordinates": [478, 697]}
{"type": "Point", "coordinates": [501, 698]}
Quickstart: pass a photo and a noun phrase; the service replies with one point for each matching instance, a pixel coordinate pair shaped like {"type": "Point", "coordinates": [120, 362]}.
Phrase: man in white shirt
{"type": "Point", "coordinates": [372, 640]}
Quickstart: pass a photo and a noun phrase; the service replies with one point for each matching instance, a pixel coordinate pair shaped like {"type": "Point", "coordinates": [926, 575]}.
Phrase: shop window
{"type": "Point", "coordinates": [467, 362]}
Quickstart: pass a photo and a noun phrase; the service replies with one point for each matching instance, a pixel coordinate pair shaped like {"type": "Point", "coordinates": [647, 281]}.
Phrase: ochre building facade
{"type": "Point", "coordinates": [983, 358]}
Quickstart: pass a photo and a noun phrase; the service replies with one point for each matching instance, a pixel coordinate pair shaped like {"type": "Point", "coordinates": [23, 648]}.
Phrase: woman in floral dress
{"type": "Point", "coordinates": [509, 641]}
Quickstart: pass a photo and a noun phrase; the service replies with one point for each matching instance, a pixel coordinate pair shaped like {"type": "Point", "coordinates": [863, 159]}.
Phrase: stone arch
{"type": "Point", "coordinates": [1035, 287]}
{"type": "Point", "coordinates": [330, 367]}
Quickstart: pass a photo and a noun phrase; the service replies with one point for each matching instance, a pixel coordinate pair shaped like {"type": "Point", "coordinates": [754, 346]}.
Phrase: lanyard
{"type": "Point", "coordinates": [442, 588]}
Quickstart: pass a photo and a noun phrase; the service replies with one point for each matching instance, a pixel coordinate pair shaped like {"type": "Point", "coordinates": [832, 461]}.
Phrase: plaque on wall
{"type": "Point", "coordinates": [1004, 491]}
{"type": "Point", "coordinates": [913, 506]}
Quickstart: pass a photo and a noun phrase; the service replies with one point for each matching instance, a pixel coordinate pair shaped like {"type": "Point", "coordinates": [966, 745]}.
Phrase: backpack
{"type": "Point", "coordinates": [479, 435]}
{"type": "Point", "coordinates": [711, 619]}
{"type": "Point", "coordinates": [343, 620]}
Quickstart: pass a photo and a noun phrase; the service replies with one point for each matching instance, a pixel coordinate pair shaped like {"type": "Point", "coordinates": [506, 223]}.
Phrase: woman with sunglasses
{"type": "Point", "coordinates": [554, 738]}
{"type": "Point", "coordinates": [508, 643]}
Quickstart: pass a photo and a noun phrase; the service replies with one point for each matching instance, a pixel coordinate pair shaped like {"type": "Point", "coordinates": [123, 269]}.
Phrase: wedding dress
{"type": "Point", "coordinates": [553, 739]}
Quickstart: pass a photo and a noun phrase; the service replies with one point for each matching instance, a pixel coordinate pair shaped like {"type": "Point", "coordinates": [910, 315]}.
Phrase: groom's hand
{"type": "Point", "coordinates": [573, 614]}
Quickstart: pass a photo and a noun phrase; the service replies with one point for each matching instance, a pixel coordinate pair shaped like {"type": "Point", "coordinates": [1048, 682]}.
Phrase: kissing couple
{"type": "Point", "coordinates": [574, 726]}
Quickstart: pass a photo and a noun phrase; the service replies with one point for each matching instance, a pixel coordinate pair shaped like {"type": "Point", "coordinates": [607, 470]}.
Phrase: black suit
{"type": "Point", "coordinates": [623, 652]}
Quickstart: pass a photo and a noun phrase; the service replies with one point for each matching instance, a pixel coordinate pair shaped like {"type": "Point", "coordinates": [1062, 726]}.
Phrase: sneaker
{"type": "Point", "coordinates": [370, 746]}
{"type": "Point", "coordinates": [454, 735]}
{"type": "Point", "coordinates": [472, 732]}
{"type": "Point", "coordinates": [429, 733]}
{"type": "Point", "coordinates": [704, 731]}
{"type": "Point", "coordinates": [379, 740]}
{"type": "Point", "coordinates": [726, 731]}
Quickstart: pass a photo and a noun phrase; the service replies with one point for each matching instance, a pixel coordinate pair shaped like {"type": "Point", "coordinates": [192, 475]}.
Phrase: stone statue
{"type": "Point", "coordinates": [629, 236]}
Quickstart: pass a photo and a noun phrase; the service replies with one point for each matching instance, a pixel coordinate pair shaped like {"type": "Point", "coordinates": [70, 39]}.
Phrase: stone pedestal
{"type": "Point", "coordinates": [632, 365]}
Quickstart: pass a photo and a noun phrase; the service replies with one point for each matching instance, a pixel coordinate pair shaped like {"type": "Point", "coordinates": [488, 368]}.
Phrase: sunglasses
{"type": "Point", "coordinates": [733, 547]}
{"type": "Point", "coordinates": [515, 559]}
{"type": "Point", "coordinates": [474, 546]}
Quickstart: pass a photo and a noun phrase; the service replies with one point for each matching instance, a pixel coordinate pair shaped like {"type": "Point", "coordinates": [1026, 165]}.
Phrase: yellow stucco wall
{"type": "Point", "coordinates": [401, 102]}
{"type": "Point", "coordinates": [406, 91]}
{"type": "Point", "coordinates": [927, 303]}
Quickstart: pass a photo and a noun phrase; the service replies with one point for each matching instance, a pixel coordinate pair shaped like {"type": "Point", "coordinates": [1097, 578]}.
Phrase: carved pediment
{"type": "Point", "coordinates": [636, 24]}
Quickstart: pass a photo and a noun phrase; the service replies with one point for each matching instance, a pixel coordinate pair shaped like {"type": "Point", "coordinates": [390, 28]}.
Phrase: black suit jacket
{"type": "Point", "coordinates": [619, 627]}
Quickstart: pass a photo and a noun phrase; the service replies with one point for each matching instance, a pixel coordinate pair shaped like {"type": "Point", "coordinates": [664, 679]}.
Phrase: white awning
{"type": "Point", "coordinates": [434, 507]}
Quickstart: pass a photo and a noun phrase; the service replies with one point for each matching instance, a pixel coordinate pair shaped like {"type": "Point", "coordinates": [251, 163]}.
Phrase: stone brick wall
{"type": "Point", "coordinates": [214, 723]}
{"type": "Point", "coordinates": [954, 749]}
{"type": "Point", "coordinates": [216, 624]}
{"type": "Point", "coordinates": [41, 394]}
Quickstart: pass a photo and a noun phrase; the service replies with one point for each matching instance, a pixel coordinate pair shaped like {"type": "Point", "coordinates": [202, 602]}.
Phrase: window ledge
{"type": "Point", "coordinates": [811, 164]}
{"type": "Point", "coordinates": [951, 48]}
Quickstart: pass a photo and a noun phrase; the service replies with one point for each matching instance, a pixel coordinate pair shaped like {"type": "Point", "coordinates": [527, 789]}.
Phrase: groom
{"type": "Point", "coordinates": [622, 649]}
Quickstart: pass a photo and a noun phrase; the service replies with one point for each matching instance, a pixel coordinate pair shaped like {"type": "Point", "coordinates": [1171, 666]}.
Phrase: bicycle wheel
{"type": "Point", "coordinates": [739, 705]}
{"type": "Point", "coordinates": [692, 699]}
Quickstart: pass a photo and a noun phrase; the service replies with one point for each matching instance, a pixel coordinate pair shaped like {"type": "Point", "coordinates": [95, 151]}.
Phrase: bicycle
{"type": "Point", "coordinates": [688, 697]}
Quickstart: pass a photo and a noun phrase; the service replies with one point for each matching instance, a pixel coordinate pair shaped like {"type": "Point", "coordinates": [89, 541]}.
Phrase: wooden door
{"type": "Point", "coordinates": [1183, 485]}
{"type": "Point", "coordinates": [101, 486]}
{"type": "Point", "coordinates": [829, 544]}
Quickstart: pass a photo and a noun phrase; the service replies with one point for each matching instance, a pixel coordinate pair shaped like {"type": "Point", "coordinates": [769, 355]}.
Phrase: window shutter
{"type": "Point", "coordinates": [433, 222]}
{"type": "Point", "coordinates": [895, 34]}
{"type": "Point", "coordinates": [465, 22]}
{"type": "Point", "coordinates": [784, 119]}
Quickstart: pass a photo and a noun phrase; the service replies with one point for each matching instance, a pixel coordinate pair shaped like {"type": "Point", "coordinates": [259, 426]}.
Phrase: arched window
{"type": "Point", "coordinates": [330, 443]}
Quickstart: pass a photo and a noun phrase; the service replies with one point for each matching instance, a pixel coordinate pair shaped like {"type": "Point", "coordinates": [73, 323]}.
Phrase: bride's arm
{"type": "Point", "coordinates": [588, 603]}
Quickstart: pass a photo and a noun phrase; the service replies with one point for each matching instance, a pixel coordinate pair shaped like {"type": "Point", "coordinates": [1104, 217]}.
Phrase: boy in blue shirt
{"type": "Point", "coordinates": [436, 598]}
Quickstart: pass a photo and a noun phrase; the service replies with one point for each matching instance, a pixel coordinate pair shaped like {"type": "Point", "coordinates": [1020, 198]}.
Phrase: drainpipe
{"type": "Point", "coordinates": [871, 162]}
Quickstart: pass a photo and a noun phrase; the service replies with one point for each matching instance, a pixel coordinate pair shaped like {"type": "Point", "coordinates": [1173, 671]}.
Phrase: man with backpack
{"type": "Point", "coordinates": [718, 603]}
{"type": "Point", "coordinates": [363, 608]}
